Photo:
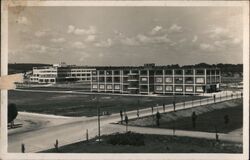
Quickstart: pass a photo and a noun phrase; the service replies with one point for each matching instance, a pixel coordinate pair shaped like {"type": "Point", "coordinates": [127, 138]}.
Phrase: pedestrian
{"type": "Point", "coordinates": [194, 117]}
{"type": "Point", "coordinates": [152, 108]}
{"type": "Point", "coordinates": [214, 98]}
{"type": "Point", "coordinates": [23, 148]}
{"type": "Point", "coordinates": [163, 107]}
{"type": "Point", "coordinates": [121, 114]}
{"type": "Point", "coordinates": [174, 105]}
{"type": "Point", "coordinates": [126, 121]}
{"type": "Point", "coordinates": [158, 116]}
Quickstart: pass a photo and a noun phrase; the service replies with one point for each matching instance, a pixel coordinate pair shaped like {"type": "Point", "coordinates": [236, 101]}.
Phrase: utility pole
{"type": "Point", "coordinates": [98, 119]}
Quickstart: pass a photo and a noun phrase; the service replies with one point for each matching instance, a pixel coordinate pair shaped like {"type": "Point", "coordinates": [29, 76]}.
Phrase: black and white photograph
{"type": "Point", "coordinates": [117, 80]}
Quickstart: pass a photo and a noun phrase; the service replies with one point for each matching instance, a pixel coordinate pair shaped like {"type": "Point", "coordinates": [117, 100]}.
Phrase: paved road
{"type": "Point", "coordinates": [75, 129]}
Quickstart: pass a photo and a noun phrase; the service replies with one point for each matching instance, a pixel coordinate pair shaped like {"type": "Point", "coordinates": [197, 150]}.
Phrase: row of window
{"type": "Point", "coordinates": [159, 72]}
{"type": "Point", "coordinates": [108, 86]}
{"type": "Point", "coordinates": [170, 88]}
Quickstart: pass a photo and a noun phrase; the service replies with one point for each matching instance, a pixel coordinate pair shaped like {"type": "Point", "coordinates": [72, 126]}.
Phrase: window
{"type": "Point", "coordinates": [189, 89]}
{"type": "Point", "coordinates": [169, 72]}
{"type": "Point", "coordinates": [108, 72]}
{"type": "Point", "coordinates": [101, 79]}
{"type": "Point", "coordinates": [144, 72]}
{"type": "Point", "coordinates": [199, 89]}
{"type": "Point", "coordinates": [189, 72]}
{"type": "Point", "coordinates": [108, 79]}
{"type": "Point", "coordinates": [178, 72]}
{"type": "Point", "coordinates": [117, 86]}
{"type": "Point", "coordinates": [200, 80]}
{"type": "Point", "coordinates": [169, 80]}
{"type": "Point", "coordinates": [208, 79]}
{"type": "Point", "coordinates": [101, 72]}
{"type": "Point", "coordinates": [200, 72]}
{"type": "Point", "coordinates": [189, 80]}
{"type": "Point", "coordinates": [159, 88]}
{"type": "Point", "coordinates": [101, 86]}
{"type": "Point", "coordinates": [109, 86]}
{"type": "Point", "coordinates": [94, 86]}
{"type": "Point", "coordinates": [178, 88]}
{"type": "Point", "coordinates": [117, 79]}
{"type": "Point", "coordinates": [178, 80]}
{"type": "Point", "coordinates": [169, 88]}
{"type": "Point", "coordinates": [126, 72]}
{"type": "Point", "coordinates": [144, 79]}
{"type": "Point", "coordinates": [116, 72]}
{"type": "Point", "coordinates": [158, 80]}
{"type": "Point", "coordinates": [158, 72]}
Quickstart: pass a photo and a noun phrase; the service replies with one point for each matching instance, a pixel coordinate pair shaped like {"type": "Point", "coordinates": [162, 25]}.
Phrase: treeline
{"type": "Point", "coordinates": [23, 67]}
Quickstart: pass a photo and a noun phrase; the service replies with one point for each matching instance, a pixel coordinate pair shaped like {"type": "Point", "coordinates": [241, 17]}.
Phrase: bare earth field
{"type": "Point", "coordinates": [147, 143]}
{"type": "Point", "coordinates": [75, 105]}
{"type": "Point", "coordinates": [208, 118]}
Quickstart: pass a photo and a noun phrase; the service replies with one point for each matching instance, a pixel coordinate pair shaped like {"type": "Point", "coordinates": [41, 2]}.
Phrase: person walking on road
{"type": "Point", "coordinates": [174, 105]}
{"type": "Point", "coordinates": [158, 116]}
{"type": "Point", "coordinates": [121, 114]}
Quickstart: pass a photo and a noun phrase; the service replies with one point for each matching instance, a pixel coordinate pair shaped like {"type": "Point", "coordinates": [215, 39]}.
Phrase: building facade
{"type": "Point", "coordinates": [150, 79]}
{"type": "Point", "coordinates": [58, 73]}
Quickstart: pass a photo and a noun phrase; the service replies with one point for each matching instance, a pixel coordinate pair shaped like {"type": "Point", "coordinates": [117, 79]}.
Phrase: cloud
{"type": "Point", "coordinates": [22, 20]}
{"type": "Point", "coordinates": [175, 28]}
{"type": "Point", "coordinates": [36, 48]}
{"type": "Point", "coordinates": [58, 40]}
{"type": "Point", "coordinates": [107, 43]}
{"type": "Point", "coordinates": [78, 45]}
{"type": "Point", "coordinates": [71, 29]}
{"type": "Point", "coordinates": [129, 41]}
{"type": "Point", "coordinates": [207, 47]}
{"type": "Point", "coordinates": [218, 32]}
{"type": "Point", "coordinates": [154, 40]}
{"type": "Point", "coordinates": [40, 33]}
{"type": "Point", "coordinates": [81, 31]}
{"type": "Point", "coordinates": [195, 38]}
{"type": "Point", "coordinates": [90, 38]}
{"type": "Point", "coordinates": [155, 30]}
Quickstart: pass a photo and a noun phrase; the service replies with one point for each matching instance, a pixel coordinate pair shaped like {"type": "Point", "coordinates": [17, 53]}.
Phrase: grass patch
{"type": "Point", "coordinates": [152, 144]}
{"type": "Point", "coordinates": [208, 118]}
{"type": "Point", "coordinates": [66, 104]}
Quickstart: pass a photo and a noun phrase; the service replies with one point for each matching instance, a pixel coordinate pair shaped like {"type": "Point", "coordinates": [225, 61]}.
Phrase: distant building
{"type": "Point", "coordinates": [60, 73]}
{"type": "Point", "coordinates": [151, 79]}
{"type": "Point", "coordinates": [147, 79]}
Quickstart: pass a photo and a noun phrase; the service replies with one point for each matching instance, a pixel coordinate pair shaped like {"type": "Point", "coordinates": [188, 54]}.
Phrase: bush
{"type": "Point", "coordinates": [12, 112]}
{"type": "Point", "coordinates": [128, 138]}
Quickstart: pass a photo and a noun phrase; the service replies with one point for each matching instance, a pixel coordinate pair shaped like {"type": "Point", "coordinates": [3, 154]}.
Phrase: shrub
{"type": "Point", "coordinates": [12, 112]}
{"type": "Point", "coordinates": [128, 138]}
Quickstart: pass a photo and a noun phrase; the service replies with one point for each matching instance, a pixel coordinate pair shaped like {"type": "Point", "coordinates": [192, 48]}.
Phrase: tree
{"type": "Point", "coordinates": [12, 113]}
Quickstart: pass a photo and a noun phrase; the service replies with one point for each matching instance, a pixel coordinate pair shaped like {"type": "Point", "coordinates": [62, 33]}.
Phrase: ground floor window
{"type": "Point", "coordinates": [178, 88]}
{"type": "Point", "coordinates": [101, 86]}
{"type": "Point", "coordinates": [189, 89]}
{"type": "Point", "coordinates": [159, 88]}
{"type": "Point", "coordinates": [117, 87]}
{"type": "Point", "coordinates": [109, 86]}
{"type": "Point", "coordinates": [169, 88]}
{"type": "Point", "coordinates": [199, 89]}
{"type": "Point", "coordinates": [94, 86]}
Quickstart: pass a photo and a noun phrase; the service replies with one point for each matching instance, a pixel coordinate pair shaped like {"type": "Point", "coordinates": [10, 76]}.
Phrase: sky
{"type": "Point", "coordinates": [125, 35]}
